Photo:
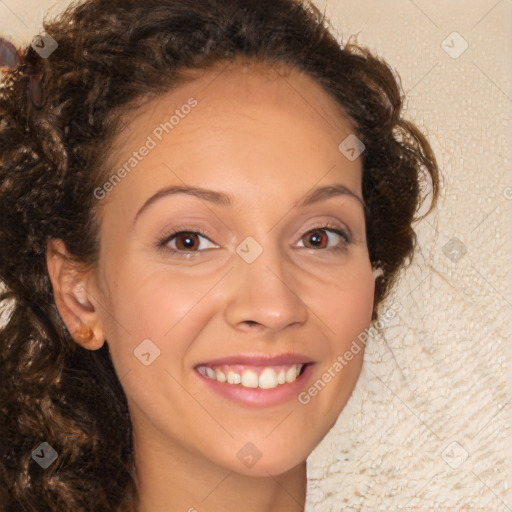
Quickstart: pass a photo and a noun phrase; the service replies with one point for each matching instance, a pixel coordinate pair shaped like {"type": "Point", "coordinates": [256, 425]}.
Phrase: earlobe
{"type": "Point", "coordinates": [71, 297]}
{"type": "Point", "coordinates": [85, 336]}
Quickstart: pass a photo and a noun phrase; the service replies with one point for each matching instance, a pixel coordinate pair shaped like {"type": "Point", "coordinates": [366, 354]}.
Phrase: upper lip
{"type": "Point", "coordinates": [259, 360]}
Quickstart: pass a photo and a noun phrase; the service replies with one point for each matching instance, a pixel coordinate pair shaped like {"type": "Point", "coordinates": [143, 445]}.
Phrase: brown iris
{"type": "Point", "coordinates": [322, 235]}
{"type": "Point", "coordinates": [189, 237]}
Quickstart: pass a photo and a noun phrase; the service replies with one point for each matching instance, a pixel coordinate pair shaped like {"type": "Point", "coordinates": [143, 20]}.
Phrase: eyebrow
{"type": "Point", "coordinates": [220, 198]}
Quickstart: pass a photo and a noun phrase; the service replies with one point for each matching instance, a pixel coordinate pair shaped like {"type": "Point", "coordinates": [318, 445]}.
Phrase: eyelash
{"type": "Point", "coordinates": [163, 241]}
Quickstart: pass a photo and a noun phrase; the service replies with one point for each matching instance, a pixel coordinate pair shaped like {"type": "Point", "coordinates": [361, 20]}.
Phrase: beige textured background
{"type": "Point", "coordinates": [428, 426]}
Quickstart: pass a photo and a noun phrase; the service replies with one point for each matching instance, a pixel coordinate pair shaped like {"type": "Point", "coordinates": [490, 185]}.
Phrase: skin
{"type": "Point", "coordinates": [266, 140]}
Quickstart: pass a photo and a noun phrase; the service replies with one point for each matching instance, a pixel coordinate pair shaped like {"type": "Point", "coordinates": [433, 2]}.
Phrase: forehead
{"type": "Point", "coordinates": [271, 128]}
{"type": "Point", "coordinates": [244, 89]}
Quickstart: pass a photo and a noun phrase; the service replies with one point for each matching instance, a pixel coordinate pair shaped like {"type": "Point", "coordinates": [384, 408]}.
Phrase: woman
{"type": "Point", "coordinates": [172, 175]}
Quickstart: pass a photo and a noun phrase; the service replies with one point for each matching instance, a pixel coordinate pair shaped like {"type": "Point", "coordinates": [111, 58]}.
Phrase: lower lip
{"type": "Point", "coordinates": [257, 397]}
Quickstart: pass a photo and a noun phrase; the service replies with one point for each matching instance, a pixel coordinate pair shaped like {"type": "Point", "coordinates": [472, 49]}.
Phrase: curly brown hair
{"type": "Point", "coordinates": [111, 55]}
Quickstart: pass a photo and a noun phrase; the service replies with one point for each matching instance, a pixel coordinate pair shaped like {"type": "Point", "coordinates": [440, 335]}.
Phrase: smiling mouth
{"type": "Point", "coordinates": [249, 376]}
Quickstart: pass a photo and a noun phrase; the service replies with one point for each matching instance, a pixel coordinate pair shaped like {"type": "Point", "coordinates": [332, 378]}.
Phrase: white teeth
{"type": "Point", "coordinates": [269, 378]}
{"type": "Point", "coordinates": [249, 379]}
{"type": "Point", "coordinates": [233, 378]}
{"type": "Point", "coordinates": [291, 373]}
{"type": "Point", "coordinates": [210, 372]}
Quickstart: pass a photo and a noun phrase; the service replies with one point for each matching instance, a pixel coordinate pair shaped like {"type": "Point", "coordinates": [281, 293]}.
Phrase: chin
{"type": "Point", "coordinates": [252, 462]}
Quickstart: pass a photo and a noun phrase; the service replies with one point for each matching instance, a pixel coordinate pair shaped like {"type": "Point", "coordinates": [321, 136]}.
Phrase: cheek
{"type": "Point", "coordinates": [345, 304]}
{"type": "Point", "coordinates": [156, 305]}
{"type": "Point", "coordinates": [346, 310]}
{"type": "Point", "coordinates": [157, 316]}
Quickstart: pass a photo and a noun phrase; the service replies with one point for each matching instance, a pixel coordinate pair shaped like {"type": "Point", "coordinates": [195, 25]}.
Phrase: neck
{"type": "Point", "coordinates": [170, 479]}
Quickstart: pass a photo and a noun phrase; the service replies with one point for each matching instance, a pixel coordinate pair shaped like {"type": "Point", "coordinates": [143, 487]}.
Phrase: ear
{"type": "Point", "coordinates": [72, 291]}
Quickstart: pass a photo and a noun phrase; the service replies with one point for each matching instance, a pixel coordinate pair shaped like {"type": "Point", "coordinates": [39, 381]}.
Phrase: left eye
{"type": "Point", "coordinates": [318, 235]}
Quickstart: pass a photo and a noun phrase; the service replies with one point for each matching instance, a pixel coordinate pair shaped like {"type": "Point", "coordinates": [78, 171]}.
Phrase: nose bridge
{"type": "Point", "coordinates": [263, 289]}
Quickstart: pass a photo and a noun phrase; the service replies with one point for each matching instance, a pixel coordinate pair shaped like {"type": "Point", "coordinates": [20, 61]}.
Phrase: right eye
{"type": "Point", "coordinates": [186, 241]}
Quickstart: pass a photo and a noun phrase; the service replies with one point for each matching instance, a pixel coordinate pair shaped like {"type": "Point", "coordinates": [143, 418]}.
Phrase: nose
{"type": "Point", "coordinates": [264, 295]}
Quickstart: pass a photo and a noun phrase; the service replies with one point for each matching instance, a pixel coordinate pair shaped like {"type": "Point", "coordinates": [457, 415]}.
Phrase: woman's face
{"type": "Point", "coordinates": [268, 277]}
